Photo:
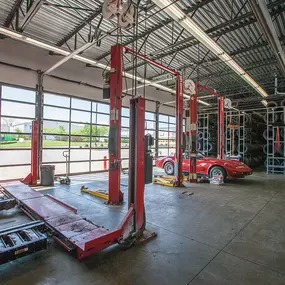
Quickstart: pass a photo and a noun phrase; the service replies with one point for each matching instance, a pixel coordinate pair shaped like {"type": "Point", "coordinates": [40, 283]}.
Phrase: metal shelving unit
{"type": "Point", "coordinates": [275, 159]}
{"type": "Point", "coordinates": [235, 133]}
{"type": "Point", "coordinates": [203, 133]}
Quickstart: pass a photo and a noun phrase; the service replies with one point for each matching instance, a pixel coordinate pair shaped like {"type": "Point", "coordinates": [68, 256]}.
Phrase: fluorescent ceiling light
{"type": "Point", "coordinates": [86, 60]}
{"type": "Point", "coordinates": [264, 102]}
{"type": "Point", "coordinates": [178, 15]}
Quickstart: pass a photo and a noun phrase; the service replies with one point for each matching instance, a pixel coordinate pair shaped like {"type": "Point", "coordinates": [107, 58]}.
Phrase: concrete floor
{"type": "Point", "coordinates": [228, 234]}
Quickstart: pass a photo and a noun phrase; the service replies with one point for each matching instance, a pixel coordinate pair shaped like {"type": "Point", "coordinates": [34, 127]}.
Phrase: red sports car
{"type": "Point", "coordinates": [207, 166]}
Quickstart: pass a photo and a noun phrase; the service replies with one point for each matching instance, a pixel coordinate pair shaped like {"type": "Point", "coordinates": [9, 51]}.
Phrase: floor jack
{"type": "Point", "coordinates": [97, 193]}
{"type": "Point", "coordinates": [170, 181]}
{"type": "Point", "coordinates": [66, 179]}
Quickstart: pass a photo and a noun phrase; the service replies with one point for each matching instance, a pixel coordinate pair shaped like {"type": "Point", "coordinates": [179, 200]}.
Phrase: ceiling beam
{"type": "Point", "coordinates": [12, 13]}
{"type": "Point", "coordinates": [265, 22]}
{"type": "Point", "coordinates": [158, 26]}
{"type": "Point", "coordinates": [77, 29]}
{"type": "Point", "coordinates": [30, 14]}
{"type": "Point", "coordinates": [219, 30]}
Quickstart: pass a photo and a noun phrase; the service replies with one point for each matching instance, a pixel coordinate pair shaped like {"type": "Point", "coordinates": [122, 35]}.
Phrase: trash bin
{"type": "Point", "coordinates": [47, 175]}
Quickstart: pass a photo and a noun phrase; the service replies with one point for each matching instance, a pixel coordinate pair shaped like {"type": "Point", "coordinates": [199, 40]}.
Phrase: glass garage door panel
{"type": "Point", "coordinates": [17, 109]}
{"type": "Point", "coordinates": [18, 94]}
{"type": "Point", "coordinates": [98, 166]}
{"type": "Point", "coordinates": [98, 154]}
{"type": "Point", "coordinates": [14, 172]}
{"type": "Point", "coordinates": [60, 168]}
{"type": "Point", "coordinates": [79, 154]}
{"type": "Point", "coordinates": [78, 167]}
{"type": "Point", "coordinates": [53, 155]}
{"type": "Point", "coordinates": [9, 157]}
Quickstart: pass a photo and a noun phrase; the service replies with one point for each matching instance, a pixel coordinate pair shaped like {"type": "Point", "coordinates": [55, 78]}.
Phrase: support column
{"type": "Point", "coordinates": [193, 134]}
{"type": "Point", "coordinates": [157, 106]}
{"type": "Point", "coordinates": [115, 195]}
{"type": "Point", "coordinates": [179, 130]}
{"type": "Point", "coordinates": [221, 128]}
{"type": "Point", "coordinates": [136, 161]}
{"type": "Point", "coordinates": [39, 115]}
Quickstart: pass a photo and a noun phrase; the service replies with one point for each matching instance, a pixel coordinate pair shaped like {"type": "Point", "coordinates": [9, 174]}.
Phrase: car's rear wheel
{"type": "Point", "coordinates": [169, 168]}
{"type": "Point", "coordinates": [218, 171]}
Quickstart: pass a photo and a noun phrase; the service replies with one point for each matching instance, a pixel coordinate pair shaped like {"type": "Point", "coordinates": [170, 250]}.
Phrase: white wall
{"type": "Point", "coordinates": [20, 54]}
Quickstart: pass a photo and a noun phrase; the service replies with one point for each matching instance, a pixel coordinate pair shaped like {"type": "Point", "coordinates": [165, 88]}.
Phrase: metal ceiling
{"type": "Point", "coordinates": [231, 23]}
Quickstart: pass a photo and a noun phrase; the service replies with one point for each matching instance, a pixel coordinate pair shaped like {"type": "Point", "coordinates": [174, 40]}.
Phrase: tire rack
{"type": "Point", "coordinates": [275, 159]}
{"type": "Point", "coordinates": [238, 119]}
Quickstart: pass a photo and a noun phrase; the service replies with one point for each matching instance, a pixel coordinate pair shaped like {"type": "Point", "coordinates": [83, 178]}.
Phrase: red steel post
{"type": "Point", "coordinates": [115, 195]}
{"type": "Point", "coordinates": [136, 160]}
{"type": "Point", "coordinates": [105, 163]}
{"type": "Point", "coordinates": [179, 129]}
{"type": "Point", "coordinates": [193, 134]}
{"type": "Point", "coordinates": [221, 129]}
{"type": "Point", "coordinates": [35, 151]}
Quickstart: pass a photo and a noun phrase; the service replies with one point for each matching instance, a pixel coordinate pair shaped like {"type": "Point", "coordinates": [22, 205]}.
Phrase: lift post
{"type": "Point", "coordinates": [32, 177]}
{"type": "Point", "coordinates": [179, 129]}
{"type": "Point", "coordinates": [115, 194]}
{"type": "Point", "coordinates": [193, 106]}
{"type": "Point", "coordinates": [137, 162]}
{"type": "Point", "coordinates": [221, 128]}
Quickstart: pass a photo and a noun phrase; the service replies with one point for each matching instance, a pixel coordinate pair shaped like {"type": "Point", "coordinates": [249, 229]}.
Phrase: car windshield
{"type": "Point", "coordinates": [198, 155]}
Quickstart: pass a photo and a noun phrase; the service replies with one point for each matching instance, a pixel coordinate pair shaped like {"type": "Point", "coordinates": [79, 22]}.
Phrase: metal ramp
{"type": "Point", "coordinates": [69, 229]}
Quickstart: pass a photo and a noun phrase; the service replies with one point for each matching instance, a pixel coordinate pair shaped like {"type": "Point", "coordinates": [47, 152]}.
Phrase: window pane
{"type": "Point", "coordinates": [18, 94]}
{"type": "Point", "coordinates": [163, 126]}
{"type": "Point", "coordinates": [52, 127]}
{"type": "Point", "coordinates": [15, 157]}
{"type": "Point", "coordinates": [99, 154]}
{"type": "Point", "coordinates": [172, 127]}
{"type": "Point", "coordinates": [80, 116]}
{"type": "Point", "coordinates": [18, 109]}
{"type": "Point", "coordinates": [15, 125]}
{"type": "Point", "coordinates": [14, 172]}
{"type": "Point", "coordinates": [14, 141]}
{"type": "Point", "coordinates": [79, 154]}
{"type": "Point", "coordinates": [163, 143]}
{"type": "Point", "coordinates": [57, 100]}
{"type": "Point", "coordinates": [94, 106]}
{"type": "Point", "coordinates": [125, 122]}
{"type": "Point", "coordinates": [172, 135]}
{"type": "Point", "coordinates": [172, 120]}
{"type": "Point", "coordinates": [94, 116]}
{"type": "Point", "coordinates": [125, 133]}
{"type": "Point", "coordinates": [99, 142]}
{"type": "Point", "coordinates": [150, 125]}
{"type": "Point", "coordinates": [126, 112]}
{"type": "Point", "coordinates": [103, 108]}
{"type": "Point", "coordinates": [125, 143]}
{"type": "Point", "coordinates": [163, 135]}
{"type": "Point", "coordinates": [78, 167]}
{"type": "Point", "coordinates": [100, 131]}
{"type": "Point", "coordinates": [53, 155]}
{"type": "Point", "coordinates": [103, 119]}
{"type": "Point", "coordinates": [80, 129]}
{"type": "Point", "coordinates": [51, 141]}
{"type": "Point", "coordinates": [80, 142]}
{"type": "Point", "coordinates": [80, 104]}
{"type": "Point", "coordinates": [54, 113]}
{"type": "Point", "coordinates": [149, 116]}
{"type": "Point", "coordinates": [163, 118]}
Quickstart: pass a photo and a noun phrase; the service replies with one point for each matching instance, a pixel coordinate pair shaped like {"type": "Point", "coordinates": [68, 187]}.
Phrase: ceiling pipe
{"type": "Point", "coordinates": [264, 19]}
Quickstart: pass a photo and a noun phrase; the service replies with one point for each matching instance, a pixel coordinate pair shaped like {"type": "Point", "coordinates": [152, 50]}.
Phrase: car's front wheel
{"type": "Point", "coordinates": [218, 171]}
{"type": "Point", "coordinates": [169, 168]}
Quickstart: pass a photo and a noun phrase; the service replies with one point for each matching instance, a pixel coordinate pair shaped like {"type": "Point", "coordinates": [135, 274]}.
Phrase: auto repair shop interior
{"type": "Point", "coordinates": [142, 142]}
